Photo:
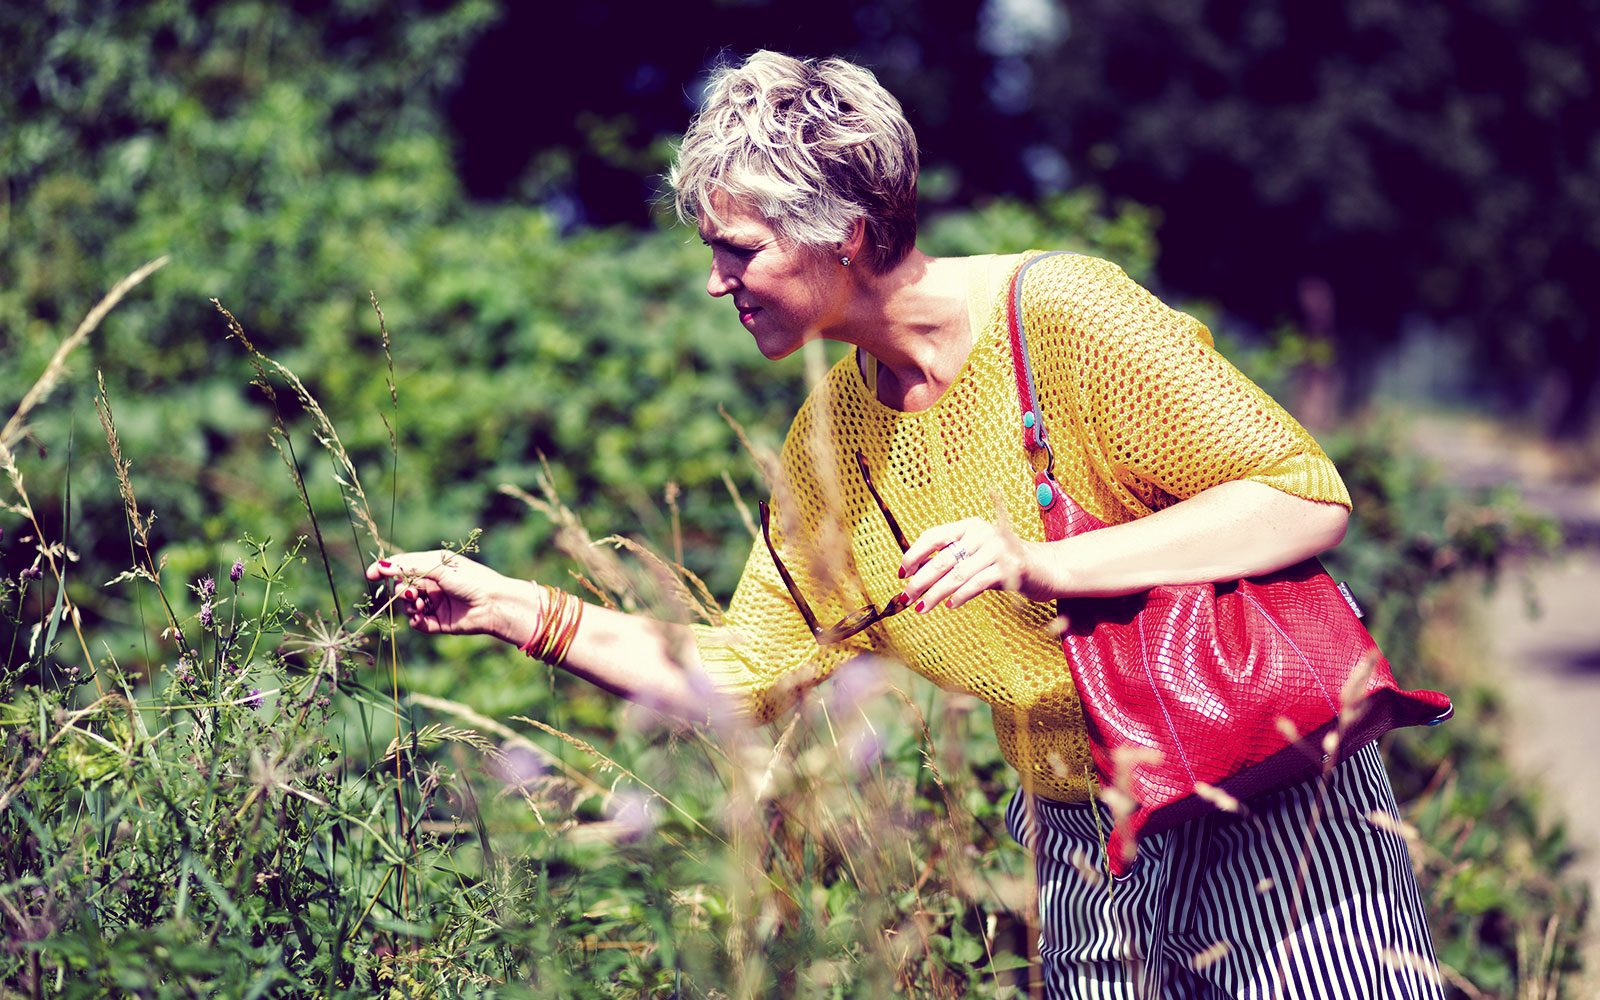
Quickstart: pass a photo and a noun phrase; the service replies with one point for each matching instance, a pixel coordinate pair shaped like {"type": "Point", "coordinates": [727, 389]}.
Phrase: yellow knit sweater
{"type": "Point", "coordinates": [1142, 411]}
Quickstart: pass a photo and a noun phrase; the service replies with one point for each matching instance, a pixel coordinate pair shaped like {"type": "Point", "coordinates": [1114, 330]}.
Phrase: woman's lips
{"type": "Point", "coordinates": [747, 313]}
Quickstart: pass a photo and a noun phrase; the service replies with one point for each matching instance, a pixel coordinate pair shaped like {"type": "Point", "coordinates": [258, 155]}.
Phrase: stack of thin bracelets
{"type": "Point", "coordinates": [558, 626]}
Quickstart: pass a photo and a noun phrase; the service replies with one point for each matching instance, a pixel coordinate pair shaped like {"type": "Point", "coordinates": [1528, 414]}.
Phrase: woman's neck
{"type": "Point", "coordinates": [913, 324]}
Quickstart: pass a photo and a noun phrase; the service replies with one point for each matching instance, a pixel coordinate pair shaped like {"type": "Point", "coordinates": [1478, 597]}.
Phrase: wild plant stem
{"type": "Point", "coordinates": [136, 523]}
{"type": "Point", "coordinates": [399, 799]}
{"type": "Point", "coordinates": [46, 382]}
{"type": "Point", "coordinates": [316, 526]}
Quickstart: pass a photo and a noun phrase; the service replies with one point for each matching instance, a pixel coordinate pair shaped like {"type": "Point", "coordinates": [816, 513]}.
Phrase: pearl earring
{"type": "Point", "coordinates": [844, 261]}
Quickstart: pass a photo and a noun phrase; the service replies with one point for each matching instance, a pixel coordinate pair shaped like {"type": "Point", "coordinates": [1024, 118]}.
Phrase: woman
{"type": "Point", "coordinates": [802, 179]}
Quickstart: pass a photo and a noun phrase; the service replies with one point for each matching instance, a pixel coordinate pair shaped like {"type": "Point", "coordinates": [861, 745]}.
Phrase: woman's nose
{"type": "Point", "coordinates": [720, 282]}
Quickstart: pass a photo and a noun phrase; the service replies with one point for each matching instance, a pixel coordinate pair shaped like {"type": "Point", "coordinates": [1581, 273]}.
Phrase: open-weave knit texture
{"type": "Point", "coordinates": [1142, 412]}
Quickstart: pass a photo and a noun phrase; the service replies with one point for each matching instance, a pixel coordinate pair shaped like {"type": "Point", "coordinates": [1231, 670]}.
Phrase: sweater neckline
{"type": "Point", "coordinates": [981, 289]}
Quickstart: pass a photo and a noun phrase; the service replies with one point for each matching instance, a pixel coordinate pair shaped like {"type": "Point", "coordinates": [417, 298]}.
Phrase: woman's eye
{"type": "Point", "coordinates": [732, 248]}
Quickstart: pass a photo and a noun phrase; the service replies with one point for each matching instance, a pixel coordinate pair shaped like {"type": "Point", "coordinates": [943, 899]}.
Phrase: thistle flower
{"type": "Point", "coordinates": [254, 701]}
{"type": "Point", "coordinates": [34, 572]}
{"type": "Point", "coordinates": [208, 586]}
{"type": "Point", "coordinates": [327, 644]}
{"type": "Point", "coordinates": [183, 671]}
{"type": "Point", "coordinates": [237, 571]}
{"type": "Point", "coordinates": [206, 617]}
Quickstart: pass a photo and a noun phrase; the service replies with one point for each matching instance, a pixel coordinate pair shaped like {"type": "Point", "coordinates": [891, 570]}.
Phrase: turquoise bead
{"type": "Point", "coordinates": [1027, 420]}
{"type": "Point", "coordinates": [1045, 495]}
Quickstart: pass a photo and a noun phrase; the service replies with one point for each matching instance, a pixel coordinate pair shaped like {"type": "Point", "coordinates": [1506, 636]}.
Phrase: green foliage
{"type": "Point", "coordinates": [1075, 220]}
{"type": "Point", "coordinates": [166, 835]}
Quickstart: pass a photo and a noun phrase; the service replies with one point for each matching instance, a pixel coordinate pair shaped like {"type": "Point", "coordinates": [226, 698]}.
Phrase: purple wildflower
{"type": "Point", "coordinates": [208, 586]}
{"type": "Point", "coordinates": [182, 671]}
{"type": "Point", "coordinates": [863, 748]}
{"type": "Point", "coordinates": [633, 813]}
{"type": "Point", "coordinates": [856, 682]}
{"type": "Point", "coordinates": [237, 571]}
{"type": "Point", "coordinates": [206, 617]}
{"type": "Point", "coordinates": [254, 701]}
{"type": "Point", "coordinates": [34, 572]}
{"type": "Point", "coordinates": [517, 766]}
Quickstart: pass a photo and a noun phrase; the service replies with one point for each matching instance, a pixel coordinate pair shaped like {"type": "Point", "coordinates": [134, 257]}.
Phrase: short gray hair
{"type": "Point", "coordinates": [811, 146]}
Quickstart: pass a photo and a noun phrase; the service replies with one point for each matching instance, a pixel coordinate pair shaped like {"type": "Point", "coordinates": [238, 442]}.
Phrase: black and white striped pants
{"type": "Point", "coordinates": [1301, 897]}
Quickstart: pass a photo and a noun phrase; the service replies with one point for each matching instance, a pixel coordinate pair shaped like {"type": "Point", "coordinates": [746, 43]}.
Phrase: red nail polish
{"type": "Point", "coordinates": [385, 563]}
{"type": "Point", "coordinates": [410, 594]}
{"type": "Point", "coordinates": [902, 572]}
{"type": "Point", "coordinates": [921, 605]}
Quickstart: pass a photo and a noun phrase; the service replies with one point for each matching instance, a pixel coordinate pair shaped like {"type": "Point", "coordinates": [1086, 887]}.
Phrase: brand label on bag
{"type": "Point", "coordinates": [1350, 599]}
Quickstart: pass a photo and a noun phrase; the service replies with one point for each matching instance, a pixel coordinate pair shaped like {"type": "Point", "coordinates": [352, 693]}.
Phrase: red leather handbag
{"type": "Point", "coordinates": [1201, 696]}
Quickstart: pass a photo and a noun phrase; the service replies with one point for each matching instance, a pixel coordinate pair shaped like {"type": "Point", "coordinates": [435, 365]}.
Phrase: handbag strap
{"type": "Point", "coordinates": [1062, 516]}
{"type": "Point", "coordinates": [1035, 435]}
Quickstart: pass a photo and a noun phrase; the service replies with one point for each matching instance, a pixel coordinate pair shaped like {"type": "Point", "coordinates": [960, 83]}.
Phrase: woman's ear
{"type": "Point", "coordinates": [857, 239]}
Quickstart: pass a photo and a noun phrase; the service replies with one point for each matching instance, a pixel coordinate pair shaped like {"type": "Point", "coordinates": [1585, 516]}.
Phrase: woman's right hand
{"type": "Point", "coordinates": [445, 593]}
{"type": "Point", "coordinates": [652, 662]}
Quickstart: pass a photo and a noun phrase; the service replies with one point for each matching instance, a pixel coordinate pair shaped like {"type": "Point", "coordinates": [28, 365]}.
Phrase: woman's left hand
{"type": "Point", "coordinates": [953, 563]}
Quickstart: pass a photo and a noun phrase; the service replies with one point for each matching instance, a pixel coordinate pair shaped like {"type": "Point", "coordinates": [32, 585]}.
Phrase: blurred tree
{"type": "Point", "coordinates": [1387, 158]}
{"type": "Point", "coordinates": [584, 126]}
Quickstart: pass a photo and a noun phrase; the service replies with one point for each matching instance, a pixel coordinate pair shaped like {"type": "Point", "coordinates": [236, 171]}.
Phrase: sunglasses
{"type": "Point", "coordinates": [860, 620]}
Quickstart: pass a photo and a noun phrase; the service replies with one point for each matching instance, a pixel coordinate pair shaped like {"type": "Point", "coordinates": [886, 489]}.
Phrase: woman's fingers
{"type": "Point", "coordinates": [957, 577]}
{"type": "Point", "coordinates": [416, 579]}
{"type": "Point", "coordinates": [928, 544]}
{"type": "Point", "coordinates": [944, 558]}
{"type": "Point", "coordinates": [988, 578]}
{"type": "Point", "coordinates": [441, 592]}
{"type": "Point", "coordinates": [953, 563]}
{"type": "Point", "coordinates": [413, 564]}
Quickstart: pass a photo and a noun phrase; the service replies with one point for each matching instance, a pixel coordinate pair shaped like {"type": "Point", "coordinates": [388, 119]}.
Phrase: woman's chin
{"type": "Point", "coordinates": [777, 348]}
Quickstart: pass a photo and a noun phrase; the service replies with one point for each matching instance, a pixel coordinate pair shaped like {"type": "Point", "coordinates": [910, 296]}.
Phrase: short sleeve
{"type": "Point", "coordinates": [1142, 385]}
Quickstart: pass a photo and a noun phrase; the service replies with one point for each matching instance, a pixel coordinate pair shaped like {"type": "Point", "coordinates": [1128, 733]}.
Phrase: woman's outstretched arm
{"type": "Point", "coordinates": [642, 659]}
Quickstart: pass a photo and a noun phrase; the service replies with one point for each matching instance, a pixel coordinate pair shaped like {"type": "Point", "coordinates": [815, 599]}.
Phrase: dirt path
{"type": "Point", "coordinates": [1552, 669]}
{"type": "Point", "coordinates": [1550, 665]}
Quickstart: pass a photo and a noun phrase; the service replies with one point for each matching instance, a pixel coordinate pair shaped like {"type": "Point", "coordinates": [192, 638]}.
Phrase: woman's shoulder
{"type": "Point", "coordinates": [1096, 299]}
{"type": "Point", "coordinates": [1055, 281]}
{"type": "Point", "coordinates": [1050, 269]}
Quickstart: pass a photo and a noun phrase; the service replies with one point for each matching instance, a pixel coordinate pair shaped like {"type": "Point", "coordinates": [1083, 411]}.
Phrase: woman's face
{"type": "Point", "coordinates": [786, 294]}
